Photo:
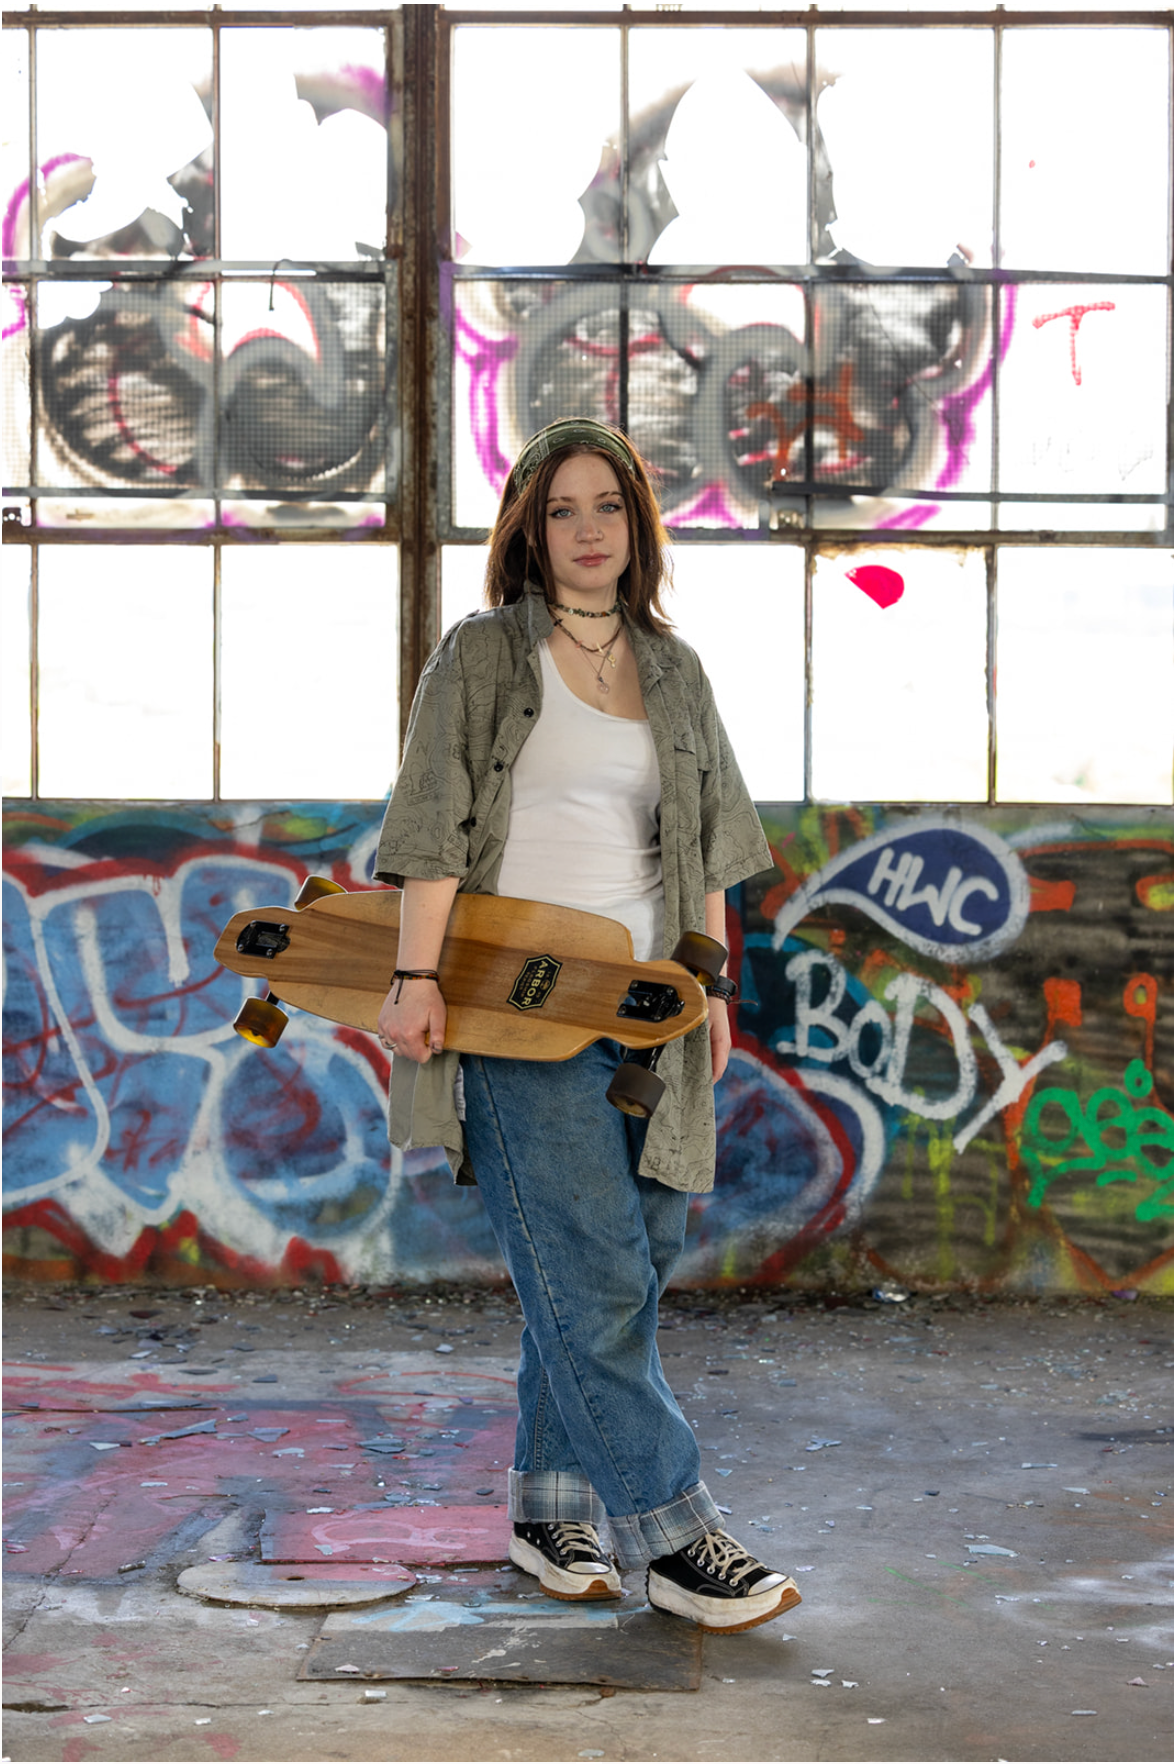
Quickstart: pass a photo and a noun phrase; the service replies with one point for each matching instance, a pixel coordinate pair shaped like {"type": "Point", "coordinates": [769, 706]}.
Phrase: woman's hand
{"type": "Point", "coordinates": [412, 1020]}
{"type": "Point", "coordinates": [719, 1036]}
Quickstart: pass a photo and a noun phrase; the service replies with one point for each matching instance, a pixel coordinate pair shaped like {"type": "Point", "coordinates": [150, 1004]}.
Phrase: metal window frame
{"type": "Point", "coordinates": [220, 271]}
{"type": "Point", "coordinates": [418, 275]}
{"type": "Point", "coordinates": [625, 275]}
{"type": "Point", "coordinates": [813, 539]}
{"type": "Point", "coordinates": [387, 273]}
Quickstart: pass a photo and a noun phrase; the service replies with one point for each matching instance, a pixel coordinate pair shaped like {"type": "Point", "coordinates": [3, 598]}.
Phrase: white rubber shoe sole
{"type": "Point", "coordinates": [722, 1616]}
{"type": "Point", "coordinates": [560, 1583]}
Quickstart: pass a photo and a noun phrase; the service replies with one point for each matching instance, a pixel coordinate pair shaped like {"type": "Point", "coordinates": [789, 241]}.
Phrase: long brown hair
{"type": "Point", "coordinates": [517, 544]}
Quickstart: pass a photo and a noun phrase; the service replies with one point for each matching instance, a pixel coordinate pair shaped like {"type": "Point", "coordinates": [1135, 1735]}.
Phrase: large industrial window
{"type": "Point", "coordinates": [891, 316]}
{"type": "Point", "coordinates": [200, 243]}
{"type": "Point", "coordinates": [884, 296]}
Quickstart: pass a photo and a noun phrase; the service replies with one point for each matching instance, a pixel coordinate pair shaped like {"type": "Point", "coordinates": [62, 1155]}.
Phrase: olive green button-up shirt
{"type": "Point", "coordinates": [479, 699]}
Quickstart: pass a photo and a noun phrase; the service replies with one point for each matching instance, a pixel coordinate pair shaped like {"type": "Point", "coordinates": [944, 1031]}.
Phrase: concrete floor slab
{"type": "Point", "coordinates": [430, 1535]}
{"type": "Point", "coordinates": [1040, 1429]}
{"type": "Point", "coordinates": [507, 1635]}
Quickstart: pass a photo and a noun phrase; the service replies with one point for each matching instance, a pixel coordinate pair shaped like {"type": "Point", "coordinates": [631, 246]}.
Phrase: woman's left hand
{"type": "Point", "coordinates": [719, 1036]}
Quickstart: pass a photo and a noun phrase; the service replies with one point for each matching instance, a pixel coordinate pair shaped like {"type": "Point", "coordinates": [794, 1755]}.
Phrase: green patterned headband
{"type": "Point", "coordinates": [569, 432]}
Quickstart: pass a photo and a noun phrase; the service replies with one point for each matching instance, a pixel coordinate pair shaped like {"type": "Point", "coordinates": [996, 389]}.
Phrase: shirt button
{"type": "Point", "coordinates": [498, 766]}
{"type": "Point", "coordinates": [527, 712]}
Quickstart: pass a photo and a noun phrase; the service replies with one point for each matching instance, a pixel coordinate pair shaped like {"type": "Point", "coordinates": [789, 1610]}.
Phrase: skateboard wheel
{"type": "Point", "coordinates": [704, 956]}
{"type": "Point", "coordinates": [315, 888]}
{"type": "Point", "coordinates": [260, 1022]}
{"type": "Point", "coordinates": [635, 1090]}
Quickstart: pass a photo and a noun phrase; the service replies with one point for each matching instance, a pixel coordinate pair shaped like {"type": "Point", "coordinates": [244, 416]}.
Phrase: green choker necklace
{"type": "Point", "coordinates": [582, 612]}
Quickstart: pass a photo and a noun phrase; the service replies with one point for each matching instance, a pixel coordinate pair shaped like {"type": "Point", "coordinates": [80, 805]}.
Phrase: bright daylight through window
{"type": "Point", "coordinates": [888, 315]}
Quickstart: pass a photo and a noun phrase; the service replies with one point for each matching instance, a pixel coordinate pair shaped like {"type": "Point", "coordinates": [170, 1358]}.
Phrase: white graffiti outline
{"type": "Point", "coordinates": [816, 892]}
{"type": "Point", "coordinates": [884, 1075]}
{"type": "Point", "coordinates": [200, 1181]}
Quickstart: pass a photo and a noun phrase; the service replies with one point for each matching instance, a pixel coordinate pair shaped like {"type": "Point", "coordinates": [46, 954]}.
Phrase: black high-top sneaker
{"type": "Point", "coordinates": [568, 1559]}
{"type": "Point", "coordinates": [719, 1585]}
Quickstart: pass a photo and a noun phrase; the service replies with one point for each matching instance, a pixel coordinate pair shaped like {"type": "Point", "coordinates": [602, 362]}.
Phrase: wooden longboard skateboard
{"type": "Point", "coordinates": [520, 979]}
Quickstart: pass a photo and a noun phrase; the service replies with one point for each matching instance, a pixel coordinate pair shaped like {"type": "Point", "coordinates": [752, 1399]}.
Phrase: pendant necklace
{"type": "Point", "coordinates": [602, 650]}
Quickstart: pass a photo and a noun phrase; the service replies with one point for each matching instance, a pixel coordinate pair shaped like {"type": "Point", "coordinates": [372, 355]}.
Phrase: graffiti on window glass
{"type": "Point", "coordinates": [874, 391]}
{"type": "Point", "coordinates": [170, 385]}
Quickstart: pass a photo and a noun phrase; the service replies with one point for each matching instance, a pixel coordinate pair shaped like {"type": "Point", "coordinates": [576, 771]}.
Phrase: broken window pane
{"type": "Point", "coordinates": [304, 143]}
{"type": "Point", "coordinates": [329, 612]}
{"type": "Point", "coordinates": [741, 608]}
{"type": "Point", "coordinates": [125, 380]}
{"type": "Point", "coordinates": [535, 126]}
{"type": "Point", "coordinates": [718, 394]}
{"type": "Point", "coordinates": [900, 401]}
{"type": "Point", "coordinates": [1085, 154]}
{"type": "Point", "coordinates": [17, 415]}
{"type": "Point", "coordinates": [124, 141]}
{"type": "Point", "coordinates": [15, 724]}
{"type": "Point", "coordinates": [899, 707]}
{"type": "Point", "coordinates": [715, 394]}
{"type": "Point", "coordinates": [718, 165]}
{"type": "Point", "coordinates": [1083, 403]}
{"type": "Point", "coordinates": [125, 697]}
{"type": "Point", "coordinates": [301, 391]}
{"type": "Point", "coordinates": [1085, 706]}
{"type": "Point", "coordinates": [524, 354]}
{"type": "Point", "coordinates": [907, 120]}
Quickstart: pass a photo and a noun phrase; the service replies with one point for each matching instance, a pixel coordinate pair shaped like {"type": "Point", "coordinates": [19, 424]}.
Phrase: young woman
{"type": "Point", "coordinates": [564, 747]}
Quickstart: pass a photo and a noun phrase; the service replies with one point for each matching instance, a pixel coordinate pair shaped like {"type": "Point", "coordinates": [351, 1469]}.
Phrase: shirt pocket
{"type": "Point", "coordinates": [690, 764]}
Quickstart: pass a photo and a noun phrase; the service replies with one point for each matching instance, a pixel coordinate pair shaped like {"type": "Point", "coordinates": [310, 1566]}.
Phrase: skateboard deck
{"type": "Point", "coordinates": [520, 978]}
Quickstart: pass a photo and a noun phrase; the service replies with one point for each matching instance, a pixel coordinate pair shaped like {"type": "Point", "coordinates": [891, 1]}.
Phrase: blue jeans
{"type": "Point", "coordinates": [590, 1246]}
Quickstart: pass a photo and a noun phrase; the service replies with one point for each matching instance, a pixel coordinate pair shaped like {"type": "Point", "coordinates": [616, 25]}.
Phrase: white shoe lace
{"type": "Point", "coordinates": [573, 1537]}
{"type": "Point", "coordinates": [718, 1552]}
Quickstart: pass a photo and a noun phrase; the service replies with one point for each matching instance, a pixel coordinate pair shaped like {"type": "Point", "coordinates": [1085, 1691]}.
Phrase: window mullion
{"type": "Point", "coordinates": [217, 317]}
{"type": "Point", "coordinates": [808, 663]}
{"type": "Point", "coordinates": [34, 669]}
{"type": "Point", "coordinates": [992, 636]}
{"type": "Point", "coordinates": [996, 297]}
{"type": "Point", "coordinates": [217, 660]}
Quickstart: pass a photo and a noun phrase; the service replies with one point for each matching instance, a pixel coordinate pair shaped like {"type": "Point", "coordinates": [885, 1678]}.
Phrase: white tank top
{"type": "Point", "coordinates": [584, 828]}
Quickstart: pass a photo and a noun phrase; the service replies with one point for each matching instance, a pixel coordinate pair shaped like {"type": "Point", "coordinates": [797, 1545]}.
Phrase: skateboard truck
{"type": "Point", "coordinates": [261, 1020]}
{"type": "Point", "coordinates": [263, 938]}
{"type": "Point", "coordinates": [649, 1002]}
{"type": "Point", "coordinates": [636, 1089]}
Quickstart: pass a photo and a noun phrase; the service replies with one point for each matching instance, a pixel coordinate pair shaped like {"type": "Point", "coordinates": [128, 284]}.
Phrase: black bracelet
{"type": "Point", "coordinates": [402, 974]}
{"type": "Point", "coordinates": [723, 987]}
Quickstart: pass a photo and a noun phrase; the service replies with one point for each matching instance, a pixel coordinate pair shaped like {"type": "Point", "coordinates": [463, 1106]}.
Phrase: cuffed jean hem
{"type": "Point", "coordinates": [539, 1497]}
{"type": "Point", "coordinates": [636, 1537]}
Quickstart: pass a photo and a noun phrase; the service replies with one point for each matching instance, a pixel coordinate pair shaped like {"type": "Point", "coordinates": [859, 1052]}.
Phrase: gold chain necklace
{"type": "Point", "coordinates": [602, 650]}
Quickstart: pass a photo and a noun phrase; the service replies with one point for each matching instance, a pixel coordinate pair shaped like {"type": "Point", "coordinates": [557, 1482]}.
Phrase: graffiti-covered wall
{"type": "Point", "coordinates": [953, 1065]}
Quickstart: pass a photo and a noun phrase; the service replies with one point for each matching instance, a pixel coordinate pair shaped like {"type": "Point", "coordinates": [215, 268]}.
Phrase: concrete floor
{"type": "Point", "coordinates": [862, 1446]}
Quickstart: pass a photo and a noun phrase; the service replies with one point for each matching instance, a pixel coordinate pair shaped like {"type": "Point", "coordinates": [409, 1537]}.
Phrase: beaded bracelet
{"type": "Point", "coordinates": [402, 974]}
